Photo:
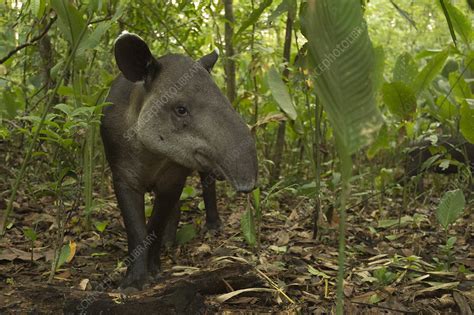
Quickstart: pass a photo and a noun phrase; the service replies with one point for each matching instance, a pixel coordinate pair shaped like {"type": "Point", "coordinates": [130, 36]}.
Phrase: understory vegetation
{"type": "Point", "coordinates": [363, 115]}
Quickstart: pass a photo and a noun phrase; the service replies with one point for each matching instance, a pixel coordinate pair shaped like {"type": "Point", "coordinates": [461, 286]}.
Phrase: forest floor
{"type": "Point", "coordinates": [391, 268]}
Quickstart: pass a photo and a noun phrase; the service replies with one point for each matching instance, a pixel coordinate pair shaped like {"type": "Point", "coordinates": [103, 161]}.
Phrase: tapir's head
{"type": "Point", "coordinates": [184, 116]}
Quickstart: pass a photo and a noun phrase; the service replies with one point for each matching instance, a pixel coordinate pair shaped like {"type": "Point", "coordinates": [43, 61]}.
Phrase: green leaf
{"type": "Point", "coordinates": [451, 241]}
{"type": "Point", "coordinates": [446, 110]}
{"type": "Point", "coordinates": [254, 16]}
{"type": "Point", "coordinates": [148, 211]}
{"type": "Point", "coordinates": [93, 40]}
{"type": "Point", "coordinates": [30, 233]}
{"type": "Point", "coordinates": [377, 76]}
{"type": "Point", "coordinates": [400, 99]}
{"type": "Point", "coordinates": [284, 6]}
{"type": "Point", "coordinates": [315, 272]}
{"type": "Point", "coordinates": [461, 89]}
{"type": "Point", "coordinates": [256, 200]}
{"type": "Point", "coordinates": [392, 222]}
{"type": "Point", "coordinates": [11, 104]}
{"type": "Point", "coordinates": [340, 46]}
{"type": "Point", "coordinates": [247, 227]}
{"type": "Point", "coordinates": [63, 255]}
{"type": "Point", "coordinates": [185, 234]}
{"type": "Point", "coordinates": [461, 23]}
{"type": "Point", "coordinates": [466, 124]}
{"type": "Point", "coordinates": [65, 108]}
{"type": "Point", "coordinates": [450, 207]}
{"type": "Point", "coordinates": [201, 205]}
{"type": "Point", "coordinates": [405, 69]}
{"type": "Point", "coordinates": [101, 225]}
{"type": "Point", "coordinates": [71, 22]}
{"type": "Point", "coordinates": [188, 192]}
{"type": "Point", "coordinates": [381, 142]}
{"type": "Point", "coordinates": [280, 93]}
{"type": "Point", "coordinates": [37, 7]}
{"type": "Point", "coordinates": [430, 71]}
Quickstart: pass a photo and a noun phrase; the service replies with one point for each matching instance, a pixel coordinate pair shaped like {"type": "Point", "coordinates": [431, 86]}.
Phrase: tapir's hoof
{"type": "Point", "coordinates": [213, 225]}
{"type": "Point", "coordinates": [154, 269]}
{"type": "Point", "coordinates": [133, 282]}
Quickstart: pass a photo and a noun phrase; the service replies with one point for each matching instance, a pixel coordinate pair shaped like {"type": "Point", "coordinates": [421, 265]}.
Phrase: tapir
{"type": "Point", "coordinates": [167, 118]}
{"type": "Point", "coordinates": [456, 149]}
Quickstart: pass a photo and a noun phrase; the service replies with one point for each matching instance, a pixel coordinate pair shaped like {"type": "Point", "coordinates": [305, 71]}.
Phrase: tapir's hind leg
{"type": "Point", "coordinates": [169, 235]}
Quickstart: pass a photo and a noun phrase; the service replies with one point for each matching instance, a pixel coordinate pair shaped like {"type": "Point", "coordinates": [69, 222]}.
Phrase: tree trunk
{"type": "Point", "coordinates": [229, 65]}
{"type": "Point", "coordinates": [280, 141]}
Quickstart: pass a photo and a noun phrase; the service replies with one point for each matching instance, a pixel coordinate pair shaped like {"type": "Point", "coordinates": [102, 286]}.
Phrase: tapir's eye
{"type": "Point", "coordinates": [181, 111]}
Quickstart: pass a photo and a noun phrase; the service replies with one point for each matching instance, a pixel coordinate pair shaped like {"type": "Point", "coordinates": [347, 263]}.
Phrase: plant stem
{"type": "Point", "coordinates": [346, 170]}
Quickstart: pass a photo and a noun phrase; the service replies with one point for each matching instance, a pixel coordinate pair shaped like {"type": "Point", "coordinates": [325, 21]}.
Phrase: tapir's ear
{"type": "Point", "coordinates": [133, 57]}
{"type": "Point", "coordinates": [208, 61]}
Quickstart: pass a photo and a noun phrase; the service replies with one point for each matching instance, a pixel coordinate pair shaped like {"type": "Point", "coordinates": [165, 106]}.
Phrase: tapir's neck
{"type": "Point", "coordinates": [137, 98]}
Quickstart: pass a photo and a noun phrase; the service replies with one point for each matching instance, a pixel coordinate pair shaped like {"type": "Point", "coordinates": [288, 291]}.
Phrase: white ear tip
{"type": "Point", "coordinates": [216, 51]}
{"type": "Point", "coordinates": [124, 33]}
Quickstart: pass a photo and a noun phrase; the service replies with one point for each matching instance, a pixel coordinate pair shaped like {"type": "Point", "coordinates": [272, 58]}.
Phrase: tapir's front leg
{"type": "Point", "coordinates": [163, 208]}
{"type": "Point", "coordinates": [208, 183]}
{"type": "Point", "coordinates": [131, 204]}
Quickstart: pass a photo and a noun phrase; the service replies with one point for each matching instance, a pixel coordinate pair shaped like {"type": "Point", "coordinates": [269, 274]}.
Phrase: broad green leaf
{"type": "Point", "coordinates": [446, 110]}
{"type": "Point", "coordinates": [405, 69]}
{"type": "Point", "coordinates": [247, 227]}
{"type": "Point", "coordinates": [65, 108]}
{"type": "Point", "coordinates": [30, 233]}
{"type": "Point", "coordinates": [469, 62]}
{"type": "Point", "coordinates": [201, 205]}
{"type": "Point", "coordinates": [64, 90]}
{"type": "Point", "coordinates": [101, 225]}
{"type": "Point", "coordinates": [148, 211]}
{"type": "Point", "coordinates": [67, 254]}
{"type": "Point", "coordinates": [11, 103]}
{"type": "Point", "coordinates": [252, 19]}
{"type": "Point", "coordinates": [316, 272]}
{"type": "Point", "coordinates": [93, 40]}
{"type": "Point", "coordinates": [71, 22]}
{"type": "Point", "coordinates": [461, 23]}
{"type": "Point", "coordinates": [284, 6]}
{"type": "Point", "coordinates": [430, 71]}
{"type": "Point", "coordinates": [185, 234]}
{"type": "Point", "coordinates": [451, 241]}
{"type": "Point", "coordinates": [377, 76]}
{"type": "Point", "coordinates": [95, 6]}
{"type": "Point", "coordinates": [466, 123]}
{"type": "Point", "coordinates": [450, 207]}
{"type": "Point", "coordinates": [381, 142]}
{"type": "Point", "coordinates": [188, 192]}
{"type": "Point", "coordinates": [392, 222]}
{"type": "Point", "coordinates": [256, 201]}
{"type": "Point", "coordinates": [400, 99]}
{"type": "Point", "coordinates": [461, 89]}
{"type": "Point", "coordinates": [340, 46]}
{"type": "Point", "coordinates": [280, 93]}
{"type": "Point", "coordinates": [37, 7]}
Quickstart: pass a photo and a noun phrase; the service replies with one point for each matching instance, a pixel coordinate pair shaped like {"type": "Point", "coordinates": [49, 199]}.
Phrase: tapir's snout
{"type": "Point", "coordinates": [239, 166]}
{"type": "Point", "coordinates": [246, 188]}
{"type": "Point", "coordinates": [236, 161]}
